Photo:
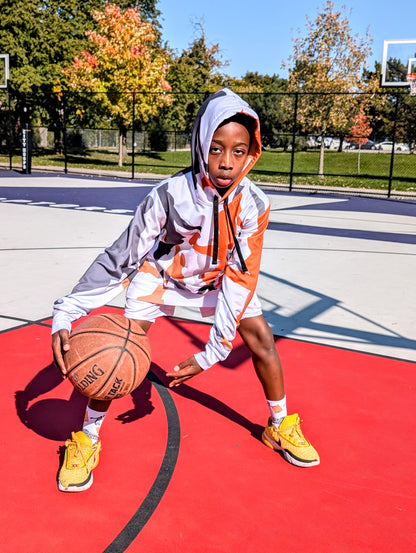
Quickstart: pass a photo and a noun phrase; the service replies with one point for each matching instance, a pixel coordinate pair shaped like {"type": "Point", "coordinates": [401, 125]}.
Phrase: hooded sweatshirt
{"type": "Point", "coordinates": [186, 244]}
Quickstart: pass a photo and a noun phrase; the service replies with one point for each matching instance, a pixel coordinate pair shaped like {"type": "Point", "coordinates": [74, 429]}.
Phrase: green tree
{"type": "Point", "coordinates": [32, 36]}
{"type": "Point", "coordinates": [264, 94]}
{"type": "Point", "coordinates": [377, 105]}
{"type": "Point", "coordinates": [192, 75]}
{"type": "Point", "coordinates": [406, 125]}
{"type": "Point", "coordinates": [329, 60]}
{"type": "Point", "coordinates": [124, 58]}
{"type": "Point", "coordinates": [43, 36]}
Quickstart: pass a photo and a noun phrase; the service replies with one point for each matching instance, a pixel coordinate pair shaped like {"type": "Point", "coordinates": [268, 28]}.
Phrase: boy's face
{"type": "Point", "coordinates": [228, 154]}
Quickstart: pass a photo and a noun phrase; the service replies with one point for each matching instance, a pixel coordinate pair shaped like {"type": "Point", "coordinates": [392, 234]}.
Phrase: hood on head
{"type": "Point", "coordinates": [217, 108]}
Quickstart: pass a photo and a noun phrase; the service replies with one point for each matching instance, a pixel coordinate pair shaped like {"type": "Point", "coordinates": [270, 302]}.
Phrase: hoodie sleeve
{"type": "Point", "coordinates": [237, 289]}
{"type": "Point", "coordinates": [113, 269]}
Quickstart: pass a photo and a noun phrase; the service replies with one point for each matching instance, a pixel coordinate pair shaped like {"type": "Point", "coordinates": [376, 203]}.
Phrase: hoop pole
{"type": "Point", "coordinates": [396, 111]}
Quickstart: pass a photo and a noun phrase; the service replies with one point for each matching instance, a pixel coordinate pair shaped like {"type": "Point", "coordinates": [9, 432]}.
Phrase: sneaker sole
{"type": "Point", "coordinates": [290, 458]}
{"type": "Point", "coordinates": [76, 488]}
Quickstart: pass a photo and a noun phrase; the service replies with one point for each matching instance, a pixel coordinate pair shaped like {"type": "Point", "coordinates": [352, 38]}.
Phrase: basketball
{"type": "Point", "coordinates": [109, 356]}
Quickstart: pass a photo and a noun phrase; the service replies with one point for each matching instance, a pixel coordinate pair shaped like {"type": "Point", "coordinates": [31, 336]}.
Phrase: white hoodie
{"type": "Point", "coordinates": [180, 248]}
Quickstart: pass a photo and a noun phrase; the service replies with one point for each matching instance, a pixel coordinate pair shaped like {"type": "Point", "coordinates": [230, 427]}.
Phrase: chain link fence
{"type": "Point", "coordinates": [308, 139]}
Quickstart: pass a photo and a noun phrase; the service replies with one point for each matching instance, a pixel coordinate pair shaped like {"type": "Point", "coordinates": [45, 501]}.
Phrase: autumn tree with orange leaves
{"type": "Point", "coordinates": [360, 131]}
{"type": "Point", "coordinates": [125, 62]}
{"type": "Point", "coordinates": [326, 67]}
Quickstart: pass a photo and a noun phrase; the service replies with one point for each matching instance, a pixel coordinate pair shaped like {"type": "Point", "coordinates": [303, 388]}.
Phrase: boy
{"type": "Point", "coordinates": [196, 240]}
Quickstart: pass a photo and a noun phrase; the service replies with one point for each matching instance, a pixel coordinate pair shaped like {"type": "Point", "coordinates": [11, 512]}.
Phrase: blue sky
{"type": "Point", "coordinates": [256, 35]}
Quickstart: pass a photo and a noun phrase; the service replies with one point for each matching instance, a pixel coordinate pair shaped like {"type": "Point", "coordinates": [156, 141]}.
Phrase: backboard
{"type": "Point", "coordinates": [399, 59]}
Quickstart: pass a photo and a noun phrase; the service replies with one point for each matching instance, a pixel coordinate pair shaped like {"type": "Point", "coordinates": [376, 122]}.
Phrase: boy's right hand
{"type": "Point", "coordinates": [184, 371]}
{"type": "Point", "coordinates": [60, 344]}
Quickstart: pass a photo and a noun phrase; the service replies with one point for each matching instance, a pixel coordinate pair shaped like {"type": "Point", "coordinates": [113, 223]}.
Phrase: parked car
{"type": "Point", "coordinates": [369, 145]}
{"type": "Point", "coordinates": [329, 142]}
{"type": "Point", "coordinates": [387, 146]}
{"type": "Point", "coordinates": [334, 144]}
{"type": "Point", "coordinates": [312, 141]}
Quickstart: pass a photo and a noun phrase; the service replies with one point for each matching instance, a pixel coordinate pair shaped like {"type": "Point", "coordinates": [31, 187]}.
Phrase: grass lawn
{"type": "Point", "coordinates": [340, 168]}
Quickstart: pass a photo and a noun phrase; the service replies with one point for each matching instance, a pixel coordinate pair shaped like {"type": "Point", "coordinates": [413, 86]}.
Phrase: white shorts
{"type": "Point", "coordinates": [145, 311]}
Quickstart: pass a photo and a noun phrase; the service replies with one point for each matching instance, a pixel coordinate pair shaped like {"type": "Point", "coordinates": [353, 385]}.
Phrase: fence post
{"type": "Point", "coordinates": [396, 111]}
{"type": "Point", "coordinates": [10, 139]}
{"type": "Point", "coordinates": [64, 132]}
{"type": "Point", "coordinates": [133, 137]}
{"type": "Point", "coordinates": [294, 129]}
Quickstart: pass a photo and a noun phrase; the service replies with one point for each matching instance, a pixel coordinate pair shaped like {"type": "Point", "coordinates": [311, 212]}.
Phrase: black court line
{"type": "Point", "coordinates": [156, 492]}
{"type": "Point", "coordinates": [137, 522]}
{"type": "Point", "coordinates": [24, 322]}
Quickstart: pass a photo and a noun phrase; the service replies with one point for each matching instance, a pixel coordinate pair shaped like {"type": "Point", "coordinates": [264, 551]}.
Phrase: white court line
{"type": "Point", "coordinates": [120, 211]}
{"type": "Point", "coordinates": [91, 208]}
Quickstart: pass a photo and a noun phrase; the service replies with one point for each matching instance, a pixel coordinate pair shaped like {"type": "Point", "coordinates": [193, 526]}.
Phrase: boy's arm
{"type": "Point", "coordinates": [236, 292]}
{"type": "Point", "coordinates": [112, 270]}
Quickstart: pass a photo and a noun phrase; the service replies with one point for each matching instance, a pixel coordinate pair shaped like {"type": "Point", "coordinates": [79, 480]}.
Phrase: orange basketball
{"type": "Point", "coordinates": [109, 356]}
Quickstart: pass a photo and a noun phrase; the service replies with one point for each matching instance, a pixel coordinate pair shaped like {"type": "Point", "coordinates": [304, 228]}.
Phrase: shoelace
{"type": "Point", "coordinates": [295, 433]}
{"type": "Point", "coordinates": [78, 452]}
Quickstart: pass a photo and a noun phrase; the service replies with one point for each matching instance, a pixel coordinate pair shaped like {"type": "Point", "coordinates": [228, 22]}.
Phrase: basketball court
{"type": "Point", "coordinates": [185, 470]}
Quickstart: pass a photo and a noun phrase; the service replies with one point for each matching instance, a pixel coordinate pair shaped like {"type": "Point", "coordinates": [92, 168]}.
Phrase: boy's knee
{"type": "Point", "coordinates": [257, 334]}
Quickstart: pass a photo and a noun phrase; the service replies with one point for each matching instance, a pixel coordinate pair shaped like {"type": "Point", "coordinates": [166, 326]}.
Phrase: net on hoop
{"type": "Point", "coordinates": [411, 79]}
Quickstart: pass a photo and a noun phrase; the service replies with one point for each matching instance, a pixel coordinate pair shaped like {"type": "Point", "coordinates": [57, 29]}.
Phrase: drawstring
{"type": "Point", "coordinates": [237, 245]}
{"type": "Point", "coordinates": [194, 179]}
{"type": "Point", "coordinates": [215, 253]}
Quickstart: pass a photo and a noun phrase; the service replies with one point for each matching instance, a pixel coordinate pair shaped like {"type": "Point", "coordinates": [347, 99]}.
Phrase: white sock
{"type": "Point", "coordinates": [278, 410]}
{"type": "Point", "coordinates": [92, 423]}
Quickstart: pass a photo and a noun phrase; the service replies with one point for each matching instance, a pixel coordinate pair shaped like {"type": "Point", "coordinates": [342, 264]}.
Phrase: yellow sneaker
{"type": "Point", "coordinates": [80, 458]}
{"type": "Point", "coordinates": [289, 439]}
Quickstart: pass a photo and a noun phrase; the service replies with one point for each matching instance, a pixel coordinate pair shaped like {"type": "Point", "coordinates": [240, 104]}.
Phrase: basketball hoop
{"type": "Point", "coordinates": [411, 79]}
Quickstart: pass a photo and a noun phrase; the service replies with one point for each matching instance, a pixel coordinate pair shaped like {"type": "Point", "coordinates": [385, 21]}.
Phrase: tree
{"type": "Point", "coordinates": [329, 60]}
{"type": "Point", "coordinates": [360, 131]}
{"type": "Point", "coordinates": [265, 97]}
{"type": "Point", "coordinates": [125, 58]}
{"type": "Point", "coordinates": [42, 36]}
{"type": "Point", "coordinates": [147, 8]}
{"type": "Point", "coordinates": [192, 75]}
{"type": "Point", "coordinates": [406, 125]}
{"type": "Point", "coordinates": [30, 35]}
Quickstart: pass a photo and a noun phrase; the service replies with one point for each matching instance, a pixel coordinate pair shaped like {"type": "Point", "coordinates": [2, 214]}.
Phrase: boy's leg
{"type": "Point", "coordinates": [97, 408]}
{"type": "Point", "coordinates": [82, 450]}
{"type": "Point", "coordinates": [259, 339]}
{"type": "Point", "coordinates": [282, 432]}
{"type": "Point", "coordinates": [94, 417]}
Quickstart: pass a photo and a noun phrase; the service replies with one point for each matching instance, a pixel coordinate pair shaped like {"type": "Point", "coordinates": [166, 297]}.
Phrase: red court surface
{"type": "Point", "coordinates": [185, 470]}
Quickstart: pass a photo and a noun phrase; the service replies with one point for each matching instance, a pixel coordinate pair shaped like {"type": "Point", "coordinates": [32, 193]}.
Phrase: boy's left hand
{"type": "Point", "coordinates": [184, 371]}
